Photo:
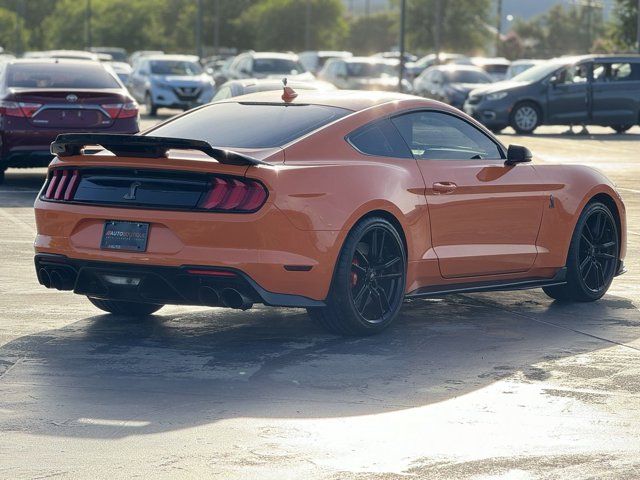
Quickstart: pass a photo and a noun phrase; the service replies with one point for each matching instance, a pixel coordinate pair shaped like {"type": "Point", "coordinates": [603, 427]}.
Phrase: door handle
{"type": "Point", "coordinates": [444, 187]}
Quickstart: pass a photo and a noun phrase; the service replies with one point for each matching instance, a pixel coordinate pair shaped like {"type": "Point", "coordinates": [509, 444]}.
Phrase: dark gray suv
{"type": "Point", "coordinates": [586, 90]}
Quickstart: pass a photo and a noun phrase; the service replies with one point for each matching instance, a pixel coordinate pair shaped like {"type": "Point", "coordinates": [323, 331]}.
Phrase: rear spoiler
{"type": "Point", "coordinates": [68, 144]}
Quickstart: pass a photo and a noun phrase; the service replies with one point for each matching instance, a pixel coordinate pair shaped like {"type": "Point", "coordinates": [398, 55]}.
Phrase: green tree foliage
{"type": "Point", "coordinates": [464, 25]}
{"type": "Point", "coordinates": [560, 31]}
{"type": "Point", "coordinates": [281, 24]}
{"type": "Point", "coordinates": [7, 29]}
{"type": "Point", "coordinates": [623, 28]}
{"type": "Point", "coordinates": [373, 33]}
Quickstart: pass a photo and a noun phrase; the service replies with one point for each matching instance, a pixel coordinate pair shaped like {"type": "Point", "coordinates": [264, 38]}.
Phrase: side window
{"type": "Point", "coordinates": [380, 139]}
{"type": "Point", "coordinates": [222, 94]}
{"type": "Point", "coordinates": [616, 72]}
{"type": "Point", "coordinates": [578, 73]}
{"type": "Point", "coordinates": [441, 136]}
{"type": "Point", "coordinates": [341, 69]}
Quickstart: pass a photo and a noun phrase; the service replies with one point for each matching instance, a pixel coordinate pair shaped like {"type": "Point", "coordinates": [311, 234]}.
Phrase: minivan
{"type": "Point", "coordinates": [586, 90]}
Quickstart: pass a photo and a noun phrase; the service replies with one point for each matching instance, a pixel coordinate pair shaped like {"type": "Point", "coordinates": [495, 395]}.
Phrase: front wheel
{"type": "Point", "coordinates": [525, 118]}
{"type": "Point", "coordinates": [151, 108]}
{"type": "Point", "coordinates": [593, 257]}
{"type": "Point", "coordinates": [369, 281]}
{"type": "Point", "coordinates": [119, 307]}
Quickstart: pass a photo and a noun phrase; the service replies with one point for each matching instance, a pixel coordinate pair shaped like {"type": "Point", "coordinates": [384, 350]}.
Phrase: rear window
{"type": "Point", "coordinates": [277, 66]}
{"type": "Point", "coordinates": [249, 125]}
{"type": "Point", "coordinates": [60, 75]}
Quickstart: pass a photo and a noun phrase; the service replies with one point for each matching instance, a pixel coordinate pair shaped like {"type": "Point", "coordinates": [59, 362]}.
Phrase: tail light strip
{"type": "Point", "coordinates": [62, 184]}
{"type": "Point", "coordinates": [225, 194]}
{"type": "Point", "coordinates": [234, 195]}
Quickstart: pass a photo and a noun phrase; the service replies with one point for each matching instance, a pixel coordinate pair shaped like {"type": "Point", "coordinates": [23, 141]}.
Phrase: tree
{"type": "Point", "coordinates": [622, 30]}
{"type": "Point", "coordinates": [373, 33]}
{"type": "Point", "coordinates": [464, 24]}
{"type": "Point", "coordinates": [281, 24]}
{"type": "Point", "coordinates": [560, 31]}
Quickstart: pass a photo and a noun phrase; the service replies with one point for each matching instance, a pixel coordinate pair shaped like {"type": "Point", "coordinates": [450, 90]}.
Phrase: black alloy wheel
{"type": "Point", "coordinates": [369, 281]}
{"type": "Point", "coordinates": [598, 253]}
{"type": "Point", "coordinates": [376, 273]}
{"type": "Point", "coordinates": [592, 261]}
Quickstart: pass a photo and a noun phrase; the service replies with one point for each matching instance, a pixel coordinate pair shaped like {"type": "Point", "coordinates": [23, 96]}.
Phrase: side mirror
{"type": "Point", "coordinates": [554, 80]}
{"type": "Point", "coordinates": [518, 154]}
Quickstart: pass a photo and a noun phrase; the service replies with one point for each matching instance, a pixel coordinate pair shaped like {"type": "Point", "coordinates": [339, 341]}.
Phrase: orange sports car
{"type": "Point", "coordinates": [343, 203]}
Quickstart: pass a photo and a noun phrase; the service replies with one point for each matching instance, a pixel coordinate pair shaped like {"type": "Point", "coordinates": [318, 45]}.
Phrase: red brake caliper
{"type": "Point", "coordinates": [354, 275]}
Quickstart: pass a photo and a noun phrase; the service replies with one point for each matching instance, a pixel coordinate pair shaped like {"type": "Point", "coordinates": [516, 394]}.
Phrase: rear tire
{"type": "Point", "coordinates": [369, 281]}
{"type": "Point", "coordinates": [119, 307]}
{"type": "Point", "coordinates": [621, 128]}
{"type": "Point", "coordinates": [593, 257]}
{"type": "Point", "coordinates": [525, 118]}
{"type": "Point", "coordinates": [152, 109]}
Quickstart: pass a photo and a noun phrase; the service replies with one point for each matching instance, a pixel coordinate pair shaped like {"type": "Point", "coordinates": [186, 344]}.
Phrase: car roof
{"type": "Point", "coordinates": [285, 56]}
{"type": "Point", "coordinates": [45, 60]}
{"type": "Point", "coordinates": [456, 67]}
{"type": "Point", "coordinates": [372, 60]}
{"type": "Point", "coordinates": [348, 99]}
{"type": "Point", "coordinates": [185, 58]}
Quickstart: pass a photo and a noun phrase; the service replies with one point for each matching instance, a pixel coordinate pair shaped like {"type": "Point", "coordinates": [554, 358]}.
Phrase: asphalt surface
{"type": "Point", "coordinates": [476, 386]}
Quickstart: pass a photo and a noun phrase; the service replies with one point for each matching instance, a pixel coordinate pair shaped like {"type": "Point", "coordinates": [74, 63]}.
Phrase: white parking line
{"type": "Point", "coordinates": [628, 189]}
{"type": "Point", "coordinates": [16, 221]}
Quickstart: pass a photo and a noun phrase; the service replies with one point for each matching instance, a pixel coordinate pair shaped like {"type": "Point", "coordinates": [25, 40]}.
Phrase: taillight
{"type": "Point", "coordinates": [62, 184]}
{"type": "Point", "coordinates": [18, 109]}
{"type": "Point", "coordinates": [29, 108]}
{"type": "Point", "coordinates": [234, 195]}
{"type": "Point", "coordinates": [119, 110]}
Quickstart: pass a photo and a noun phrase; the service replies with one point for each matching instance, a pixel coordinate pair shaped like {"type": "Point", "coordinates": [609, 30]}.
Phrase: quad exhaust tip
{"type": "Point", "coordinates": [232, 298]}
{"type": "Point", "coordinates": [58, 278]}
{"type": "Point", "coordinates": [209, 296]}
{"type": "Point", "coordinates": [45, 279]}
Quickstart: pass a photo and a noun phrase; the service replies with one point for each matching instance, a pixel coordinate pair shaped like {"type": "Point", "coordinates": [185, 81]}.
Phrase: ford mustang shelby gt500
{"type": "Point", "coordinates": [343, 203]}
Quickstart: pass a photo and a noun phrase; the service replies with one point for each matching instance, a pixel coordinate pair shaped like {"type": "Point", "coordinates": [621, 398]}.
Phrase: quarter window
{"type": "Point", "coordinates": [380, 139]}
{"type": "Point", "coordinates": [441, 136]}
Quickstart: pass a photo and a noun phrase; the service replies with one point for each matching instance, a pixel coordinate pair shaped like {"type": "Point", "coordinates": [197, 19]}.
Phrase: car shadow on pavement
{"type": "Point", "coordinates": [109, 376]}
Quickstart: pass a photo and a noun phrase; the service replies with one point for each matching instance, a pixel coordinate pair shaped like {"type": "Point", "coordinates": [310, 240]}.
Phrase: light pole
{"type": "Point", "coordinates": [638, 25]}
{"type": "Point", "coordinates": [307, 27]}
{"type": "Point", "coordinates": [438, 30]}
{"type": "Point", "coordinates": [87, 19]}
{"type": "Point", "coordinates": [403, 7]}
{"type": "Point", "coordinates": [498, 27]}
{"type": "Point", "coordinates": [199, 30]}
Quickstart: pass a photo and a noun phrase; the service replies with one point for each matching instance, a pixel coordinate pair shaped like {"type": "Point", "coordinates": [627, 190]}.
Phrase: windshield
{"type": "Point", "coordinates": [175, 67]}
{"type": "Point", "coordinates": [367, 69]}
{"type": "Point", "coordinates": [60, 75]}
{"type": "Point", "coordinates": [467, 76]}
{"type": "Point", "coordinates": [538, 72]}
{"type": "Point", "coordinates": [277, 66]}
{"type": "Point", "coordinates": [249, 125]}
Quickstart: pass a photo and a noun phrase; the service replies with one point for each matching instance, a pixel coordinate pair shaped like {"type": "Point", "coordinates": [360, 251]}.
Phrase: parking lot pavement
{"type": "Point", "coordinates": [507, 385]}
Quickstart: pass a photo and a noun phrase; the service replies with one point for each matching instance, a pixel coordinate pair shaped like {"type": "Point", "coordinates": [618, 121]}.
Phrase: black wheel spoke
{"type": "Point", "coordinates": [357, 267]}
{"type": "Point", "coordinates": [388, 276]}
{"type": "Point", "coordinates": [597, 226]}
{"type": "Point", "coordinates": [384, 301]}
{"type": "Point", "coordinates": [600, 275]}
{"type": "Point", "coordinates": [359, 295]}
{"type": "Point", "coordinates": [605, 255]}
{"type": "Point", "coordinates": [608, 245]}
{"type": "Point", "coordinates": [381, 248]}
{"type": "Point", "coordinates": [584, 263]}
{"type": "Point", "coordinates": [390, 264]}
{"type": "Point", "coordinates": [362, 257]}
{"type": "Point", "coordinates": [588, 242]}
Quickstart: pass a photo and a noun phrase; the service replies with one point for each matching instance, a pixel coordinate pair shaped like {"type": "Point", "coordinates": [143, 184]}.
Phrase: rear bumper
{"type": "Point", "coordinates": [156, 284]}
{"type": "Point", "coordinates": [28, 146]}
{"type": "Point", "coordinates": [264, 246]}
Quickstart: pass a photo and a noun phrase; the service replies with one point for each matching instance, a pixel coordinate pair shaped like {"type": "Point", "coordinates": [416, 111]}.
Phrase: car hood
{"type": "Point", "coordinates": [182, 80]}
{"type": "Point", "coordinates": [506, 85]}
{"type": "Point", "coordinates": [467, 87]}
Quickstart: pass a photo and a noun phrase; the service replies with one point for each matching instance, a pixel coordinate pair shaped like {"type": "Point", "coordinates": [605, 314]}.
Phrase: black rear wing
{"type": "Point", "coordinates": [68, 144]}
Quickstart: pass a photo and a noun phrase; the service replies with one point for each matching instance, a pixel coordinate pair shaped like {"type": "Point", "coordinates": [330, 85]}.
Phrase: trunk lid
{"type": "Point", "coordinates": [64, 108]}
